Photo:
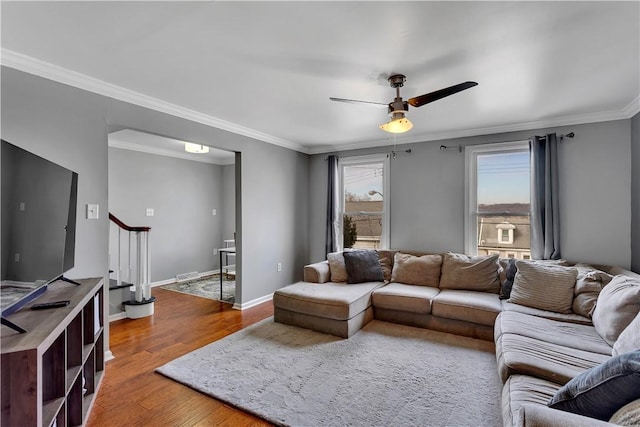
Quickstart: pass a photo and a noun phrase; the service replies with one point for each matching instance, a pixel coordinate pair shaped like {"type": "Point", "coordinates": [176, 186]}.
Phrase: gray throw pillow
{"type": "Point", "coordinates": [363, 266]}
{"type": "Point", "coordinates": [602, 390]}
{"type": "Point", "coordinates": [544, 286]}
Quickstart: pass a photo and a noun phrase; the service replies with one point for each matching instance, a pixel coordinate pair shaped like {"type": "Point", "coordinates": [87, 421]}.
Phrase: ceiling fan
{"type": "Point", "coordinates": [397, 109]}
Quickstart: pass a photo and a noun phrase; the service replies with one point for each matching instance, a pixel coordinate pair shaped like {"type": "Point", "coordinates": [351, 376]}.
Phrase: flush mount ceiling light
{"type": "Point", "coordinates": [190, 147]}
{"type": "Point", "coordinates": [397, 108]}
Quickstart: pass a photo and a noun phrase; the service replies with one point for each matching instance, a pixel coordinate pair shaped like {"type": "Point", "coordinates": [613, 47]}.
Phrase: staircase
{"type": "Point", "coordinates": [131, 245]}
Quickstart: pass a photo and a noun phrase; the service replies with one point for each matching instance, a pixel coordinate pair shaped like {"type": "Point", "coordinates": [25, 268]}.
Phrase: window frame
{"type": "Point", "coordinates": [471, 153]}
{"type": "Point", "coordinates": [364, 160]}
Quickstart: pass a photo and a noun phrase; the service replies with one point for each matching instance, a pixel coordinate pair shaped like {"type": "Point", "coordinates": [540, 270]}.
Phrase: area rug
{"type": "Point", "coordinates": [206, 287]}
{"type": "Point", "coordinates": [385, 375]}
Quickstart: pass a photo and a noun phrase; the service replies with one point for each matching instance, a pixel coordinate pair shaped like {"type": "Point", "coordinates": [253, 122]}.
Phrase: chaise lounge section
{"type": "Point", "coordinates": [561, 320]}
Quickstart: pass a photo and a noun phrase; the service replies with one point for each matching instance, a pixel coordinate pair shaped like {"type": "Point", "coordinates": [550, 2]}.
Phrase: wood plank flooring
{"type": "Point", "coordinates": [132, 394]}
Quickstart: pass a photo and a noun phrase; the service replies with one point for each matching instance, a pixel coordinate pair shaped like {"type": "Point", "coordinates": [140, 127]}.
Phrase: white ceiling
{"type": "Point", "coordinates": [267, 69]}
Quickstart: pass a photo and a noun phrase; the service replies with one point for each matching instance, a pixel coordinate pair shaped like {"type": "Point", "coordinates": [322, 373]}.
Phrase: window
{"type": "Point", "coordinates": [497, 202]}
{"type": "Point", "coordinates": [364, 202]}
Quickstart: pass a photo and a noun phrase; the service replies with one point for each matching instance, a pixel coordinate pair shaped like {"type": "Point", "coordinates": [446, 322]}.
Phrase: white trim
{"type": "Point", "coordinates": [604, 116]}
{"type": "Point", "coordinates": [115, 143]}
{"type": "Point", "coordinates": [108, 356]}
{"type": "Point", "coordinates": [117, 316]}
{"type": "Point", "coordinates": [470, 195]}
{"type": "Point", "coordinates": [253, 303]}
{"type": "Point", "coordinates": [173, 280]}
{"type": "Point", "coordinates": [31, 65]}
{"type": "Point", "coordinates": [357, 160]}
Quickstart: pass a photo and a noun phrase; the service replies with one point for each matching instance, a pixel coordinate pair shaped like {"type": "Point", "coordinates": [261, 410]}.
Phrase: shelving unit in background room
{"type": "Point", "coordinates": [51, 374]}
{"type": "Point", "coordinates": [230, 268]}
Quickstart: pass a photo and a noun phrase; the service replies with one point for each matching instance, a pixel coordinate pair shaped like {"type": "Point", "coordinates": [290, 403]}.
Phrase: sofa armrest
{"type": "Point", "coordinates": [317, 273]}
{"type": "Point", "coordinates": [530, 415]}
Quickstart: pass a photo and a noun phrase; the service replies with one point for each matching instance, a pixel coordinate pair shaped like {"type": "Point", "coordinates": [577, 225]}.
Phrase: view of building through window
{"type": "Point", "coordinates": [503, 200]}
{"type": "Point", "coordinates": [363, 208]}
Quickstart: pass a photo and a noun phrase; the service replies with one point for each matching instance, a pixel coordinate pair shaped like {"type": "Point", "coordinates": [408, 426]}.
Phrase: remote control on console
{"type": "Point", "coordinates": [53, 304]}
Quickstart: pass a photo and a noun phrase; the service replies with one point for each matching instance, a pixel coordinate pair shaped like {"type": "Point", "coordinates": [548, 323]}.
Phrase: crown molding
{"type": "Point", "coordinates": [59, 74]}
{"type": "Point", "coordinates": [605, 116]}
{"type": "Point", "coordinates": [115, 143]}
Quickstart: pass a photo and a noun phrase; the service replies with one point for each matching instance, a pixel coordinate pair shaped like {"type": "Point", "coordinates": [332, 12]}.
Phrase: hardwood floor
{"type": "Point", "coordinates": [132, 394]}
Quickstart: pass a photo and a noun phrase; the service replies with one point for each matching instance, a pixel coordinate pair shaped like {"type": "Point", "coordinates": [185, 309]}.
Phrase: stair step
{"type": "Point", "coordinates": [113, 284]}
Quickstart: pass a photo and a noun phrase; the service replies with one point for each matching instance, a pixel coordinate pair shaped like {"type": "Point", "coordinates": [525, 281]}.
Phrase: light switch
{"type": "Point", "coordinates": [149, 211]}
{"type": "Point", "coordinates": [92, 211]}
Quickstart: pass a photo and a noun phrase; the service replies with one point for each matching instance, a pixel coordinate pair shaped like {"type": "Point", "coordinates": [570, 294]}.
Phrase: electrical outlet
{"type": "Point", "coordinates": [215, 251]}
{"type": "Point", "coordinates": [214, 212]}
{"type": "Point", "coordinates": [149, 212]}
{"type": "Point", "coordinates": [17, 258]}
{"type": "Point", "coordinates": [22, 206]}
{"type": "Point", "coordinates": [279, 266]}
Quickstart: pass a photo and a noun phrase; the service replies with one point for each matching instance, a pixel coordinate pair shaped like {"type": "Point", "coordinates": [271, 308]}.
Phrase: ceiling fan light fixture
{"type": "Point", "coordinates": [190, 147]}
{"type": "Point", "coordinates": [398, 124]}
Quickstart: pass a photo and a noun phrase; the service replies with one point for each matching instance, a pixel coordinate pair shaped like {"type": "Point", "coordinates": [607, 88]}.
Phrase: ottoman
{"type": "Point", "coordinates": [333, 308]}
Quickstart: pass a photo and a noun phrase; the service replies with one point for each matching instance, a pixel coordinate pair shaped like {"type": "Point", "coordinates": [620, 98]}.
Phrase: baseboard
{"type": "Point", "coordinates": [117, 316]}
{"type": "Point", "coordinates": [108, 356]}
{"type": "Point", "coordinates": [173, 280]}
{"type": "Point", "coordinates": [253, 303]}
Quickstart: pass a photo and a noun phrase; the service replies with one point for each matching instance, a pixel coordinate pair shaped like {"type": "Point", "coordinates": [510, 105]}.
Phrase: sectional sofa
{"type": "Point", "coordinates": [553, 322]}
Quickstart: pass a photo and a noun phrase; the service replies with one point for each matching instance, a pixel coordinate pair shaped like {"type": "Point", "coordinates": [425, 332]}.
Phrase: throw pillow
{"type": "Point", "coordinates": [618, 303]}
{"type": "Point", "coordinates": [510, 274]}
{"type": "Point", "coordinates": [416, 270]}
{"type": "Point", "coordinates": [602, 390]}
{"type": "Point", "coordinates": [337, 267]}
{"type": "Point", "coordinates": [589, 283]}
{"type": "Point", "coordinates": [386, 262]}
{"type": "Point", "coordinates": [628, 415]}
{"type": "Point", "coordinates": [478, 273]}
{"type": "Point", "coordinates": [363, 266]}
{"type": "Point", "coordinates": [544, 286]}
{"type": "Point", "coordinates": [629, 339]}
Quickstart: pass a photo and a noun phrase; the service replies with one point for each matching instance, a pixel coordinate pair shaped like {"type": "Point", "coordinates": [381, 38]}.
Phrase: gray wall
{"type": "Point", "coordinates": [635, 193]}
{"type": "Point", "coordinates": [427, 193]}
{"type": "Point", "coordinates": [182, 193]}
{"type": "Point", "coordinates": [70, 127]}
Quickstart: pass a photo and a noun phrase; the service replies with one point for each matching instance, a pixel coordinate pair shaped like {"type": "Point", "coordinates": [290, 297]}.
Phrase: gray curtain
{"type": "Point", "coordinates": [332, 232]}
{"type": "Point", "coordinates": [545, 214]}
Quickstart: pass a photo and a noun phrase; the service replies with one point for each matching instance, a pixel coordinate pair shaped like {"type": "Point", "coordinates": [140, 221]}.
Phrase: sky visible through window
{"type": "Point", "coordinates": [503, 178]}
{"type": "Point", "coordinates": [361, 179]}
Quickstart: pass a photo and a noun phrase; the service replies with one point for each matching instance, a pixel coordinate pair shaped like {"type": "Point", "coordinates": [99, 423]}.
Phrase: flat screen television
{"type": "Point", "coordinates": [39, 201]}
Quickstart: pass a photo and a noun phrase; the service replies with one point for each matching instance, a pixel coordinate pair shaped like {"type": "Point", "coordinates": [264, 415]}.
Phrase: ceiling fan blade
{"type": "Point", "coordinates": [421, 100]}
{"type": "Point", "coordinates": [355, 101]}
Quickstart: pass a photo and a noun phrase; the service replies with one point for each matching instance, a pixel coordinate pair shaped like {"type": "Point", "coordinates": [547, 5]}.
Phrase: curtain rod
{"type": "Point", "coordinates": [460, 146]}
{"type": "Point", "coordinates": [393, 153]}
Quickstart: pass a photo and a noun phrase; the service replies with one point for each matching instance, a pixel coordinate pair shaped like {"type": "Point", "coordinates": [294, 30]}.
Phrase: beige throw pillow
{"type": "Point", "coordinates": [543, 286]}
{"type": "Point", "coordinates": [618, 304]}
{"type": "Point", "coordinates": [337, 267]}
{"type": "Point", "coordinates": [629, 339]}
{"type": "Point", "coordinates": [480, 273]}
{"type": "Point", "coordinates": [589, 283]}
{"type": "Point", "coordinates": [386, 262]}
{"type": "Point", "coordinates": [416, 270]}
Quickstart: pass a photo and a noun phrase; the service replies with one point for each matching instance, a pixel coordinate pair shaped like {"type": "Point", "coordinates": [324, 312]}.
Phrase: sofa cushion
{"type": "Point", "coordinates": [629, 339]}
{"type": "Point", "coordinates": [470, 306]}
{"type": "Point", "coordinates": [479, 273]}
{"type": "Point", "coordinates": [518, 354]}
{"type": "Point", "coordinates": [602, 390]}
{"type": "Point", "coordinates": [618, 304]}
{"type": "Point", "coordinates": [337, 267]}
{"type": "Point", "coordinates": [338, 301]}
{"type": "Point", "coordinates": [520, 390]}
{"type": "Point", "coordinates": [547, 287]}
{"type": "Point", "coordinates": [363, 266]}
{"type": "Point", "coordinates": [416, 270]}
{"type": "Point", "coordinates": [411, 298]}
{"type": "Point", "coordinates": [582, 337]}
{"type": "Point", "coordinates": [571, 317]}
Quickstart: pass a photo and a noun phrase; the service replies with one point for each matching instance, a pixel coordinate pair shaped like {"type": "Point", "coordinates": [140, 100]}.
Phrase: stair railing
{"type": "Point", "coordinates": [143, 268]}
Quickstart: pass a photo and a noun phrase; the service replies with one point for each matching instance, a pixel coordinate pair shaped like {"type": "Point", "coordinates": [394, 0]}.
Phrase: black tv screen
{"type": "Point", "coordinates": [39, 201]}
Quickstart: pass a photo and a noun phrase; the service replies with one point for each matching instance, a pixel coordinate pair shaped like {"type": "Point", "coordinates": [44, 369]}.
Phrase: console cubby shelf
{"type": "Point", "coordinates": [51, 374]}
